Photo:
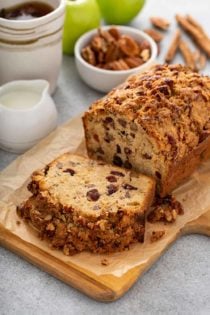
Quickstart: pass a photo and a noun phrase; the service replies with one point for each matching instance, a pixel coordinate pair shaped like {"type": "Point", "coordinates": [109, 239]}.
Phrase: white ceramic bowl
{"type": "Point", "coordinates": [104, 80]}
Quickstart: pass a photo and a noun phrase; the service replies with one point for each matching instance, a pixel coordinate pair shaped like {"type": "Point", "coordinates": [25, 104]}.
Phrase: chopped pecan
{"type": "Point", "coordinates": [145, 54]}
{"type": "Point", "coordinates": [144, 45]}
{"type": "Point", "coordinates": [165, 209]}
{"type": "Point", "coordinates": [164, 90]}
{"type": "Point", "coordinates": [117, 65]}
{"type": "Point", "coordinates": [101, 57]}
{"type": "Point", "coordinates": [112, 53]}
{"type": "Point", "coordinates": [114, 32]}
{"type": "Point", "coordinates": [157, 36]}
{"type": "Point", "coordinates": [129, 46]}
{"type": "Point", "coordinates": [156, 236]}
{"type": "Point", "coordinates": [160, 22]}
{"type": "Point", "coordinates": [89, 55]}
{"type": "Point", "coordinates": [134, 62]}
{"type": "Point", "coordinates": [169, 82]}
{"type": "Point", "coordinates": [106, 35]}
{"type": "Point", "coordinates": [98, 44]}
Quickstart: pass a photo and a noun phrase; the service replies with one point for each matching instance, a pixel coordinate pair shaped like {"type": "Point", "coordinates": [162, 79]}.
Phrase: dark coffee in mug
{"type": "Point", "coordinates": [26, 11]}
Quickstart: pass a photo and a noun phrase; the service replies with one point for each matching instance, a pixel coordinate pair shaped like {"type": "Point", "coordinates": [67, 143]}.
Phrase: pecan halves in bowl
{"type": "Point", "coordinates": [111, 50]}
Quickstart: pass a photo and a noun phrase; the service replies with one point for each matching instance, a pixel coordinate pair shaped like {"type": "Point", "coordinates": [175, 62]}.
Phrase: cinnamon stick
{"type": "Point", "coordinates": [187, 54]}
{"type": "Point", "coordinates": [173, 47]}
{"type": "Point", "coordinates": [193, 22]}
{"type": "Point", "coordinates": [196, 32]}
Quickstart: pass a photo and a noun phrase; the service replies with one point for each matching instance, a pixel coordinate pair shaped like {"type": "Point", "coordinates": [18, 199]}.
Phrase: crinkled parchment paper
{"type": "Point", "coordinates": [194, 196]}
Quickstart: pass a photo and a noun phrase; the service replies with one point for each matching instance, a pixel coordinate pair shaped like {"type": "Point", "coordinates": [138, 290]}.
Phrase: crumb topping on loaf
{"type": "Point", "coordinates": [171, 103]}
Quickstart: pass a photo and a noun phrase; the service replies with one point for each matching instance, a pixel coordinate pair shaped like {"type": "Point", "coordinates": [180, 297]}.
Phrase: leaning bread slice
{"type": "Point", "coordinates": [81, 204]}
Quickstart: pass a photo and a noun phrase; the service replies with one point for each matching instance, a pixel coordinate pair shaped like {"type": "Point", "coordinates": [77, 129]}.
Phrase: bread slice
{"type": "Point", "coordinates": [156, 123]}
{"type": "Point", "coordinates": [81, 204]}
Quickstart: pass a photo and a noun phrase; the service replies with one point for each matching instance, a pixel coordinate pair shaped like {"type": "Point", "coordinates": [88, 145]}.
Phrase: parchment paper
{"type": "Point", "coordinates": [194, 196]}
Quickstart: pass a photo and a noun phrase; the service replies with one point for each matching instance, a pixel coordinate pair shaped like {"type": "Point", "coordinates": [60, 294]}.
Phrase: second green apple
{"type": "Point", "coordinates": [120, 11]}
{"type": "Point", "coordinates": [81, 16]}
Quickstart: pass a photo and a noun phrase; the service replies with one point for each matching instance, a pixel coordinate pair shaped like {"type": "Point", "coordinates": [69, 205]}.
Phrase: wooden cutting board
{"type": "Point", "coordinates": [83, 276]}
{"type": "Point", "coordinates": [102, 288]}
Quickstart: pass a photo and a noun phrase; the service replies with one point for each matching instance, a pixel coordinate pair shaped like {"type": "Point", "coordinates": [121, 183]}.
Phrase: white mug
{"type": "Point", "coordinates": [32, 49]}
{"type": "Point", "coordinates": [22, 127]}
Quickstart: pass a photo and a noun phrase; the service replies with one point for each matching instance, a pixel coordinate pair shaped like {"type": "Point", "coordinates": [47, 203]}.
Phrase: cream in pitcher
{"type": "Point", "coordinates": [27, 114]}
{"type": "Point", "coordinates": [19, 99]}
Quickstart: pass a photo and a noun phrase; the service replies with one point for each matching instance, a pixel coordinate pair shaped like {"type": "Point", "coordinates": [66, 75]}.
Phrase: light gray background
{"type": "Point", "coordinates": [179, 283]}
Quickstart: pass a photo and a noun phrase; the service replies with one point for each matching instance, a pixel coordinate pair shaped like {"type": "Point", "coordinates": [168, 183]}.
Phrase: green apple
{"type": "Point", "coordinates": [120, 11]}
{"type": "Point", "coordinates": [81, 16]}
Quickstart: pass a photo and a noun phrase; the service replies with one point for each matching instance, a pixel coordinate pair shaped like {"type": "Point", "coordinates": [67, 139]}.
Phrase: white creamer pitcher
{"type": "Point", "coordinates": [27, 114]}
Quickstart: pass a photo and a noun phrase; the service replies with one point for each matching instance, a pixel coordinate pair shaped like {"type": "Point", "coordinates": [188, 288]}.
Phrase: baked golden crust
{"type": "Point", "coordinates": [80, 204]}
{"type": "Point", "coordinates": [170, 107]}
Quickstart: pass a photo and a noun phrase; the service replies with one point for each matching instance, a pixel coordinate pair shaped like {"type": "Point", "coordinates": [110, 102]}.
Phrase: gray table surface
{"type": "Point", "coordinates": [179, 283]}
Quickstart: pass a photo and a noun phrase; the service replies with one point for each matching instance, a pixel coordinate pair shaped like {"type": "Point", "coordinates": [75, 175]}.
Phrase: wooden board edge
{"type": "Point", "coordinates": [79, 279]}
